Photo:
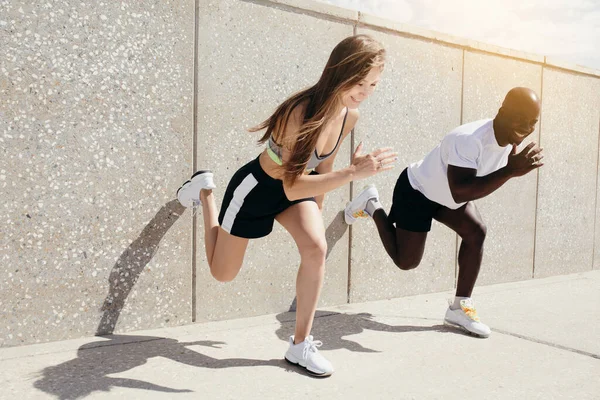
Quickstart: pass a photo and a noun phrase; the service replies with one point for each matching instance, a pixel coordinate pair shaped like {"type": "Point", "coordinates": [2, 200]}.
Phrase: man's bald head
{"type": "Point", "coordinates": [521, 100]}
{"type": "Point", "coordinates": [518, 116]}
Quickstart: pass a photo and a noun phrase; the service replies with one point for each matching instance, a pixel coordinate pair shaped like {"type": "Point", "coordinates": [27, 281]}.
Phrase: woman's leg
{"type": "Point", "coordinates": [305, 223]}
{"type": "Point", "coordinates": [224, 252]}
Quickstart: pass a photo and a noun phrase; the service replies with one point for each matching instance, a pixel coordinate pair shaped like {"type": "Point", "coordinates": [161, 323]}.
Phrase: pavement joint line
{"type": "Point", "coordinates": [517, 335]}
{"type": "Point", "coordinates": [557, 346]}
{"type": "Point", "coordinates": [500, 331]}
{"type": "Point", "coordinates": [486, 289]}
{"type": "Point", "coordinates": [99, 344]}
{"type": "Point", "coordinates": [107, 344]}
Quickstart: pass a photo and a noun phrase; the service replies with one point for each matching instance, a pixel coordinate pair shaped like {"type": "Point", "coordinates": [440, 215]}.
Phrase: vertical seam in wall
{"type": "Point", "coordinates": [351, 187]}
{"type": "Point", "coordinates": [462, 86]}
{"type": "Point", "coordinates": [349, 285]}
{"type": "Point", "coordinates": [195, 153]}
{"type": "Point", "coordinates": [596, 201]}
{"type": "Point", "coordinates": [537, 179]}
{"type": "Point", "coordinates": [462, 98]}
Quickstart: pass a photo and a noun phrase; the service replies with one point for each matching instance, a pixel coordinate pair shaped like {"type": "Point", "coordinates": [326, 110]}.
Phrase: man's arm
{"type": "Point", "coordinates": [466, 186]}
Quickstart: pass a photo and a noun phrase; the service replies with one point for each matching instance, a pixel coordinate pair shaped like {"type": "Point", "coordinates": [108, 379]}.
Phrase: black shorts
{"type": "Point", "coordinates": [411, 210]}
{"type": "Point", "coordinates": [252, 201]}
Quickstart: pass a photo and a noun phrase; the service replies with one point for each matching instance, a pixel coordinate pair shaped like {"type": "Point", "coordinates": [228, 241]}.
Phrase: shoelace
{"type": "Point", "coordinates": [360, 214]}
{"type": "Point", "coordinates": [469, 309]}
{"type": "Point", "coordinates": [310, 346]}
{"type": "Point", "coordinates": [196, 206]}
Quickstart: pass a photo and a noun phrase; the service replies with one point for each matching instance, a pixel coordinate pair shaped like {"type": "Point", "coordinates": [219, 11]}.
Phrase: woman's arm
{"type": "Point", "coordinates": [362, 166]}
{"type": "Point", "coordinates": [327, 166]}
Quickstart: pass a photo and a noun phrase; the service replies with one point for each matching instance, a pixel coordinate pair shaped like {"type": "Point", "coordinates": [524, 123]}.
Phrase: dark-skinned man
{"type": "Point", "coordinates": [471, 162]}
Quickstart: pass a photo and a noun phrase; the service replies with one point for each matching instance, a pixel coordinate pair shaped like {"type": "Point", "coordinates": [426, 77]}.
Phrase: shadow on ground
{"type": "Point", "coordinates": [89, 372]}
{"type": "Point", "coordinates": [332, 328]}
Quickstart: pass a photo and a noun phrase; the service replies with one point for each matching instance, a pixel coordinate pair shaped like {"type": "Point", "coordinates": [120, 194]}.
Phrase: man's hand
{"type": "Point", "coordinates": [526, 161]}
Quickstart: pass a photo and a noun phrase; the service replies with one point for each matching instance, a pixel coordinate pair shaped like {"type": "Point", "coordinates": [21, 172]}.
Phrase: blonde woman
{"type": "Point", "coordinates": [288, 180]}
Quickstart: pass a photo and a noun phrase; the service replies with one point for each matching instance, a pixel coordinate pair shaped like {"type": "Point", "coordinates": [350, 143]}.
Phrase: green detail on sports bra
{"type": "Point", "coordinates": [278, 161]}
{"type": "Point", "coordinates": [274, 150]}
{"type": "Point", "coordinates": [274, 156]}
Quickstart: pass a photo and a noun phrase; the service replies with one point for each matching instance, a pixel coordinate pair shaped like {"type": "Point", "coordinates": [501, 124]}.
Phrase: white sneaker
{"type": "Point", "coordinates": [306, 355]}
{"type": "Point", "coordinates": [356, 208]}
{"type": "Point", "coordinates": [189, 193]}
{"type": "Point", "coordinates": [466, 318]}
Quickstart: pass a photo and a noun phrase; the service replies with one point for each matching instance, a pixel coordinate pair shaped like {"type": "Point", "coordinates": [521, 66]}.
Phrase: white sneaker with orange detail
{"type": "Point", "coordinates": [466, 318]}
{"type": "Point", "coordinates": [357, 207]}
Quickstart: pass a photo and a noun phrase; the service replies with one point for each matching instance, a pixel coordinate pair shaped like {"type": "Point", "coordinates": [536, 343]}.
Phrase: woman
{"type": "Point", "coordinates": [289, 178]}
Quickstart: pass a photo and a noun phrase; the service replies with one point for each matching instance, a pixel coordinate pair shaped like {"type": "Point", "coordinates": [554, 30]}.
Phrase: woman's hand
{"type": "Point", "coordinates": [372, 163]}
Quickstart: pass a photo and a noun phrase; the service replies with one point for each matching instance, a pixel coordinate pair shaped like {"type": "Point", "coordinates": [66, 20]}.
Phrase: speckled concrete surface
{"type": "Point", "coordinates": [96, 133]}
{"type": "Point", "coordinates": [96, 122]}
{"type": "Point", "coordinates": [416, 104]}
{"type": "Point", "coordinates": [396, 349]}
{"type": "Point", "coordinates": [567, 187]}
{"type": "Point", "coordinates": [509, 212]}
{"type": "Point", "coordinates": [282, 52]}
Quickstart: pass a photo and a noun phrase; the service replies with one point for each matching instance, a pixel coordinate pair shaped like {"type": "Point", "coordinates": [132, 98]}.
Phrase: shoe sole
{"type": "Point", "coordinates": [313, 373]}
{"type": "Point", "coordinates": [462, 328]}
{"type": "Point", "coordinates": [202, 171]}
{"type": "Point", "coordinates": [181, 187]}
{"type": "Point", "coordinates": [349, 220]}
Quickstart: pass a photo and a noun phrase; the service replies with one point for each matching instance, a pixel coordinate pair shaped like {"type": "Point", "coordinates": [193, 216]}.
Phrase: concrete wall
{"type": "Point", "coordinates": [105, 109]}
{"type": "Point", "coordinates": [96, 133]}
{"type": "Point", "coordinates": [568, 183]}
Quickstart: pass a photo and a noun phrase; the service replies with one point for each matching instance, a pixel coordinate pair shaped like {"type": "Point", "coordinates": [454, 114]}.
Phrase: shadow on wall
{"type": "Point", "coordinates": [89, 372]}
{"type": "Point", "coordinates": [140, 252]}
{"type": "Point", "coordinates": [131, 263]}
{"type": "Point", "coordinates": [335, 231]}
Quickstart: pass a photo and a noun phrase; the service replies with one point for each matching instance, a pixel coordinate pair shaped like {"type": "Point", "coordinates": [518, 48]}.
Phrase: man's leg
{"type": "Point", "coordinates": [467, 223]}
{"type": "Point", "coordinates": [411, 213]}
{"type": "Point", "coordinates": [404, 247]}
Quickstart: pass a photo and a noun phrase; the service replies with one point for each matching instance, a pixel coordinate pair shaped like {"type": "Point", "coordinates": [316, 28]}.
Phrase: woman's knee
{"type": "Point", "coordinates": [314, 253]}
{"type": "Point", "coordinates": [224, 272]}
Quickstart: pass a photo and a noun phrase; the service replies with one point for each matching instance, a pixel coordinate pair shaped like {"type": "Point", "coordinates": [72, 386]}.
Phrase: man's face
{"type": "Point", "coordinates": [522, 125]}
{"type": "Point", "coordinates": [520, 122]}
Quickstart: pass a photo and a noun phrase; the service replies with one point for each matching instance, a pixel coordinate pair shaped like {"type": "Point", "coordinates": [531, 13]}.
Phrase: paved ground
{"type": "Point", "coordinates": [545, 344]}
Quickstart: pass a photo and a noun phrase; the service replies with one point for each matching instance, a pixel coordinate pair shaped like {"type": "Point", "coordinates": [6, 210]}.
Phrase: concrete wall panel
{"type": "Point", "coordinates": [567, 188]}
{"type": "Point", "coordinates": [95, 133]}
{"type": "Point", "coordinates": [240, 84]}
{"type": "Point", "coordinates": [416, 104]}
{"type": "Point", "coordinates": [509, 212]}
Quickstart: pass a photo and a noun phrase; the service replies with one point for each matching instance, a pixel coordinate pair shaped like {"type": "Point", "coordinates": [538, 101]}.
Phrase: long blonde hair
{"type": "Point", "coordinates": [349, 63]}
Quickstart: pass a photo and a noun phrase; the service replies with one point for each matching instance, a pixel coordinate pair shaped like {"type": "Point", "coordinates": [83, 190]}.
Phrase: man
{"type": "Point", "coordinates": [471, 162]}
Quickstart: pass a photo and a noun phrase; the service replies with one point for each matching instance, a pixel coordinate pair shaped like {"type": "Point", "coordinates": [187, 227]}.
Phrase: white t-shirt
{"type": "Point", "coordinates": [472, 145]}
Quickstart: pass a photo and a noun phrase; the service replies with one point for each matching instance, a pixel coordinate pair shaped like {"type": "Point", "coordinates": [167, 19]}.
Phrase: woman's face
{"type": "Point", "coordinates": [363, 89]}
